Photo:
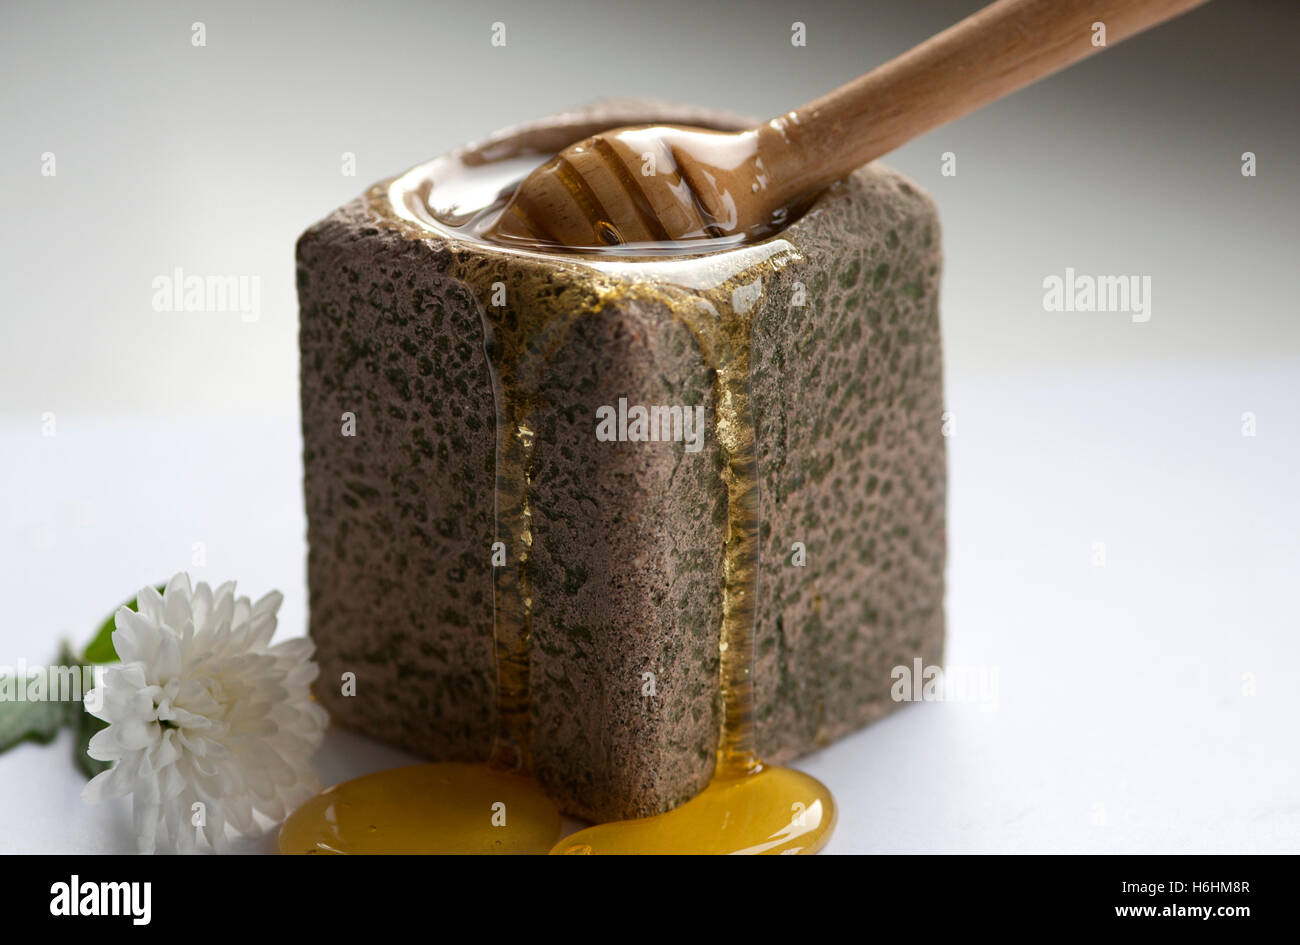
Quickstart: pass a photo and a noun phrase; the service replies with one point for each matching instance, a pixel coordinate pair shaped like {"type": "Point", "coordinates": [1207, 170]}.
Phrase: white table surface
{"type": "Point", "coordinates": [1147, 705]}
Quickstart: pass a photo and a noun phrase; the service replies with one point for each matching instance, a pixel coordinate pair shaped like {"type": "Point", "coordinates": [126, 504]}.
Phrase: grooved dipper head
{"type": "Point", "coordinates": [643, 184]}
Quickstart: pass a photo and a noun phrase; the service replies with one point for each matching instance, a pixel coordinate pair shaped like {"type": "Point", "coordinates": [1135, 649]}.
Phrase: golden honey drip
{"type": "Point", "coordinates": [453, 807]}
{"type": "Point", "coordinates": [725, 343]}
{"type": "Point", "coordinates": [511, 591]}
{"type": "Point", "coordinates": [438, 808]}
{"type": "Point", "coordinates": [748, 807]}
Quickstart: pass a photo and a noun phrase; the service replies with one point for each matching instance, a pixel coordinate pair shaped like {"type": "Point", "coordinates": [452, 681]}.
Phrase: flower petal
{"type": "Point", "coordinates": [204, 709]}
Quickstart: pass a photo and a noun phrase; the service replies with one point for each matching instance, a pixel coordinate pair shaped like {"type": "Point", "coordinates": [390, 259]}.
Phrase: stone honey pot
{"type": "Point", "coordinates": [616, 522]}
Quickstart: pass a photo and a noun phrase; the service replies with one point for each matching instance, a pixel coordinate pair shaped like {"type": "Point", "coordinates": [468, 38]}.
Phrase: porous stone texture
{"type": "Point", "coordinates": [848, 401]}
{"type": "Point", "coordinates": [627, 550]}
{"type": "Point", "coordinates": [399, 515]}
{"type": "Point", "coordinates": [627, 575]}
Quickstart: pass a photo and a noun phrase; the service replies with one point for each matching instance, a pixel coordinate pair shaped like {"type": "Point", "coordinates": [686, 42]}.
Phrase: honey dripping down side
{"type": "Point", "coordinates": [455, 807]}
{"type": "Point", "coordinates": [747, 807]}
{"type": "Point", "coordinates": [451, 807]}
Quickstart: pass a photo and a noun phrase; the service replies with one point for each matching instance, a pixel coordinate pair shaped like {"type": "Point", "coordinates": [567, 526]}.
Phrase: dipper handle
{"type": "Point", "coordinates": [712, 184]}
{"type": "Point", "coordinates": [993, 52]}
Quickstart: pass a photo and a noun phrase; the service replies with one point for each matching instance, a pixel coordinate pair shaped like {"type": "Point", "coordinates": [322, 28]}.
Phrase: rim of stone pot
{"type": "Point", "coordinates": [548, 135]}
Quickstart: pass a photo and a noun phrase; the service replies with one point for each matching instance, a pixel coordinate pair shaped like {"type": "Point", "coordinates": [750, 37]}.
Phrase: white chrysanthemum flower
{"type": "Point", "coordinates": [203, 710]}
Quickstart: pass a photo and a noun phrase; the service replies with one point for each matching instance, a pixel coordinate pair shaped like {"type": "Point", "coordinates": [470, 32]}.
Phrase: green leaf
{"type": "Point", "coordinates": [84, 726]}
{"type": "Point", "coordinates": [100, 649]}
{"type": "Point", "coordinates": [70, 709]}
{"type": "Point", "coordinates": [40, 720]}
{"type": "Point", "coordinates": [37, 721]}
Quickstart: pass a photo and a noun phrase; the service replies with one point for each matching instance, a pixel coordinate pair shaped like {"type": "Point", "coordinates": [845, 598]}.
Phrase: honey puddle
{"type": "Point", "coordinates": [449, 807]}
{"type": "Point", "coordinates": [748, 807]}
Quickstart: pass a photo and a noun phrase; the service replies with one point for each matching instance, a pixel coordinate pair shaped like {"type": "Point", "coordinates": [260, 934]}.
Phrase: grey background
{"type": "Point", "coordinates": [1146, 704]}
{"type": "Point", "coordinates": [213, 159]}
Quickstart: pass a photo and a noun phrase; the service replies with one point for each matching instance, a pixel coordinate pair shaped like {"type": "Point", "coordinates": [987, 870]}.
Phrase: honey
{"type": "Point", "coordinates": [712, 286]}
{"type": "Point", "coordinates": [436, 808]}
{"type": "Point", "coordinates": [651, 185]}
{"type": "Point", "coordinates": [764, 810]}
{"type": "Point", "coordinates": [479, 201]}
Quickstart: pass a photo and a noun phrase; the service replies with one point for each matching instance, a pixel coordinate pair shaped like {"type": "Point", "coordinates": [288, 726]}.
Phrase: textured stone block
{"type": "Point", "coordinates": [627, 538]}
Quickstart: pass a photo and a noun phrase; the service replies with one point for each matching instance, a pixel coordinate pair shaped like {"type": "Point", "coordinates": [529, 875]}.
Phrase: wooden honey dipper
{"type": "Point", "coordinates": [655, 183]}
